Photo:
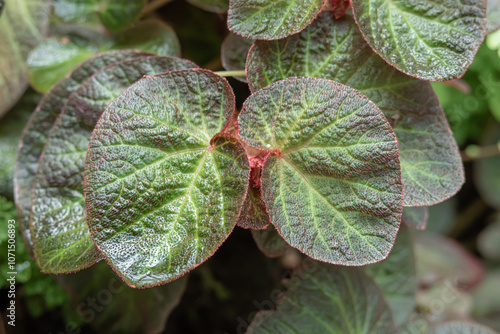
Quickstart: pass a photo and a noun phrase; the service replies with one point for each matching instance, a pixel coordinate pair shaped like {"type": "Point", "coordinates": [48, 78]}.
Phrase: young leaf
{"type": "Point", "coordinates": [253, 213]}
{"type": "Point", "coordinates": [454, 327]}
{"type": "Point", "coordinates": [22, 25]}
{"type": "Point", "coordinates": [396, 277]}
{"type": "Point", "coordinates": [37, 130]}
{"type": "Point", "coordinates": [328, 299]}
{"type": "Point", "coordinates": [233, 53]}
{"type": "Point", "coordinates": [332, 182]}
{"type": "Point", "coordinates": [334, 49]}
{"type": "Point", "coordinates": [215, 6]}
{"type": "Point", "coordinates": [163, 191]}
{"type": "Point", "coordinates": [416, 217]}
{"type": "Point", "coordinates": [57, 56]}
{"type": "Point", "coordinates": [271, 19]}
{"type": "Point", "coordinates": [430, 40]}
{"type": "Point", "coordinates": [58, 225]}
{"type": "Point", "coordinates": [486, 170]}
{"type": "Point", "coordinates": [114, 14]}
{"type": "Point", "coordinates": [270, 242]}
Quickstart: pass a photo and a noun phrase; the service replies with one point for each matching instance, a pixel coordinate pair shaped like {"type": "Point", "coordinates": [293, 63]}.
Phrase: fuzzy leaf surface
{"type": "Point", "coordinates": [215, 6]}
{"type": "Point", "coordinates": [233, 53]}
{"type": "Point", "coordinates": [416, 217]}
{"type": "Point", "coordinates": [428, 39]}
{"type": "Point", "coordinates": [253, 213]}
{"type": "Point", "coordinates": [114, 14]}
{"type": "Point", "coordinates": [58, 224]}
{"type": "Point", "coordinates": [329, 299]}
{"type": "Point", "coordinates": [396, 277]}
{"type": "Point", "coordinates": [37, 129]}
{"type": "Point", "coordinates": [163, 193]}
{"type": "Point", "coordinates": [334, 49]}
{"type": "Point", "coordinates": [332, 187]}
{"type": "Point", "coordinates": [23, 24]}
{"type": "Point", "coordinates": [57, 56]}
{"type": "Point", "coordinates": [454, 327]}
{"type": "Point", "coordinates": [271, 19]}
{"type": "Point", "coordinates": [270, 242]}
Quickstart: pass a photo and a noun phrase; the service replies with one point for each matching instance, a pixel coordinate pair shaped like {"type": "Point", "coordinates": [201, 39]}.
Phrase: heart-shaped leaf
{"type": "Point", "coordinates": [396, 277]}
{"type": "Point", "coordinates": [114, 14]}
{"type": "Point", "coordinates": [271, 19]}
{"type": "Point", "coordinates": [37, 130]}
{"type": "Point", "coordinates": [58, 225]}
{"type": "Point", "coordinates": [270, 242]}
{"type": "Point", "coordinates": [328, 299]}
{"type": "Point", "coordinates": [163, 191]}
{"type": "Point", "coordinates": [416, 217]}
{"type": "Point", "coordinates": [22, 26]}
{"type": "Point", "coordinates": [233, 53]}
{"type": "Point", "coordinates": [57, 56]}
{"type": "Point", "coordinates": [454, 327]}
{"type": "Point", "coordinates": [431, 40]}
{"type": "Point", "coordinates": [334, 49]}
{"type": "Point", "coordinates": [332, 182]}
{"type": "Point", "coordinates": [215, 6]}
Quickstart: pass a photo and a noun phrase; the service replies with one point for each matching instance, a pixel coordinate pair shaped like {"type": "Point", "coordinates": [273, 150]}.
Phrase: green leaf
{"type": "Point", "coordinates": [487, 241]}
{"type": "Point", "coordinates": [416, 217]}
{"type": "Point", "coordinates": [334, 49]}
{"type": "Point", "coordinates": [431, 40]}
{"type": "Point", "coordinates": [215, 6]}
{"type": "Point", "coordinates": [328, 299]}
{"type": "Point", "coordinates": [37, 130]}
{"type": "Point", "coordinates": [332, 182]}
{"type": "Point", "coordinates": [396, 277]}
{"type": "Point", "coordinates": [454, 327]}
{"type": "Point", "coordinates": [58, 225]}
{"type": "Point", "coordinates": [271, 19]}
{"type": "Point", "coordinates": [486, 175]}
{"type": "Point", "coordinates": [57, 56]}
{"type": "Point", "coordinates": [253, 213]}
{"type": "Point", "coordinates": [114, 14]}
{"type": "Point", "coordinates": [162, 193]}
{"type": "Point", "coordinates": [486, 300]}
{"type": "Point", "coordinates": [233, 53]}
{"type": "Point", "coordinates": [270, 242]}
{"type": "Point", "coordinates": [22, 26]}
{"type": "Point", "coordinates": [119, 308]}
{"type": "Point", "coordinates": [493, 20]}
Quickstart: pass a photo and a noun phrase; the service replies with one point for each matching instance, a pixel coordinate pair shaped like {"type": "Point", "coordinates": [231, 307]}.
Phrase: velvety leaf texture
{"type": "Point", "coordinates": [270, 242]}
{"type": "Point", "coordinates": [416, 217]}
{"type": "Point", "coordinates": [328, 299]}
{"type": "Point", "coordinates": [332, 184]}
{"type": "Point", "coordinates": [454, 327]}
{"type": "Point", "coordinates": [334, 49]}
{"type": "Point", "coordinates": [37, 130]}
{"type": "Point", "coordinates": [396, 277]}
{"type": "Point", "coordinates": [23, 24]}
{"type": "Point", "coordinates": [253, 213]}
{"type": "Point", "coordinates": [271, 19]}
{"type": "Point", "coordinates": [233, 53]}
{"type": "Point", "coordinates": [58, 225]}
{"type": "Point", "coordinates": [428, 39]}
{"type": "Point", "coordinates": [163, 193]}
{"type": "Point", "coordinates": [114, 14]}
{"type": "Point", "coordinates": [215, 6]}
{"type": "Point", "coordinates": [58, 55]}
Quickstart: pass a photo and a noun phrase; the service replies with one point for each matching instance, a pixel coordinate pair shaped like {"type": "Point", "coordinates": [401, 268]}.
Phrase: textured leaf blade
{"type": "Point", "coordinates": [23, 24]}
{"type": "Point", "coordinates": [430, 40]}
{"type": "Point", "coordinates": [416, 217]}
{"type": "Point", "coordinates": [190, 187]}
{"type": "Point", "coordinates": [396, 277]}
{"type": "Point", "coordinates": [334, 49]}
{"type": "Point", "coordinates": [57, 56]}
{"type": "Point", "coordinates": [453, 327]}
{"type": "Point", "coordinates": [37, 130]}
{"type": "Point", "coordinates": [114, 14]}
{"type": "Point", "coordinates": [233, 54]}
{"type": "Point", "coordinates": [58, 224]}
{"type": "Point", "coordinates": [271, 19]}
{"type": "Point", "coordinates": [270, 242]}
{"type": "Point", "coordinates": [333, 190]}
{"type": "Point", "coordinates": [328, 299]}
{"type": "Point", "coordinates": [215, 6]}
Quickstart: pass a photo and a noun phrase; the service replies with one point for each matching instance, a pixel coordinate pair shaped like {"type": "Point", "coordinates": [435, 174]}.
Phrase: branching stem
{"type": "Point", "coordinates": [231, 73]}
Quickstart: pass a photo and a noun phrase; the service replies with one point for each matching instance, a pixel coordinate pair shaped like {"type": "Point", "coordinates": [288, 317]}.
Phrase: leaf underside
{"type": "Point", "coordinates": [334, 49]}
{"type": "Point", "coordinates": [328, 299]}
{"type": "Point", "coordinates": [332, 185]}
{"type": "Point", "coordinates": [233, 53]}
{"type": "Point", "coordinates": [270, 242]}
{"type": "Point", "coordinates": [271, 19]}
{"type": "Point", "coordinates": [58, 225]}
{"type": "Point", "coordinates": [37, 130]}
{"type": "Point", "coordinates": [454, 327]}
{"type": "Point", "coordinates": [416, 217]}
{"type": "Point", "coordinates": [428, 39]}
{"type": "Point", "coordinates": [163, 193]}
